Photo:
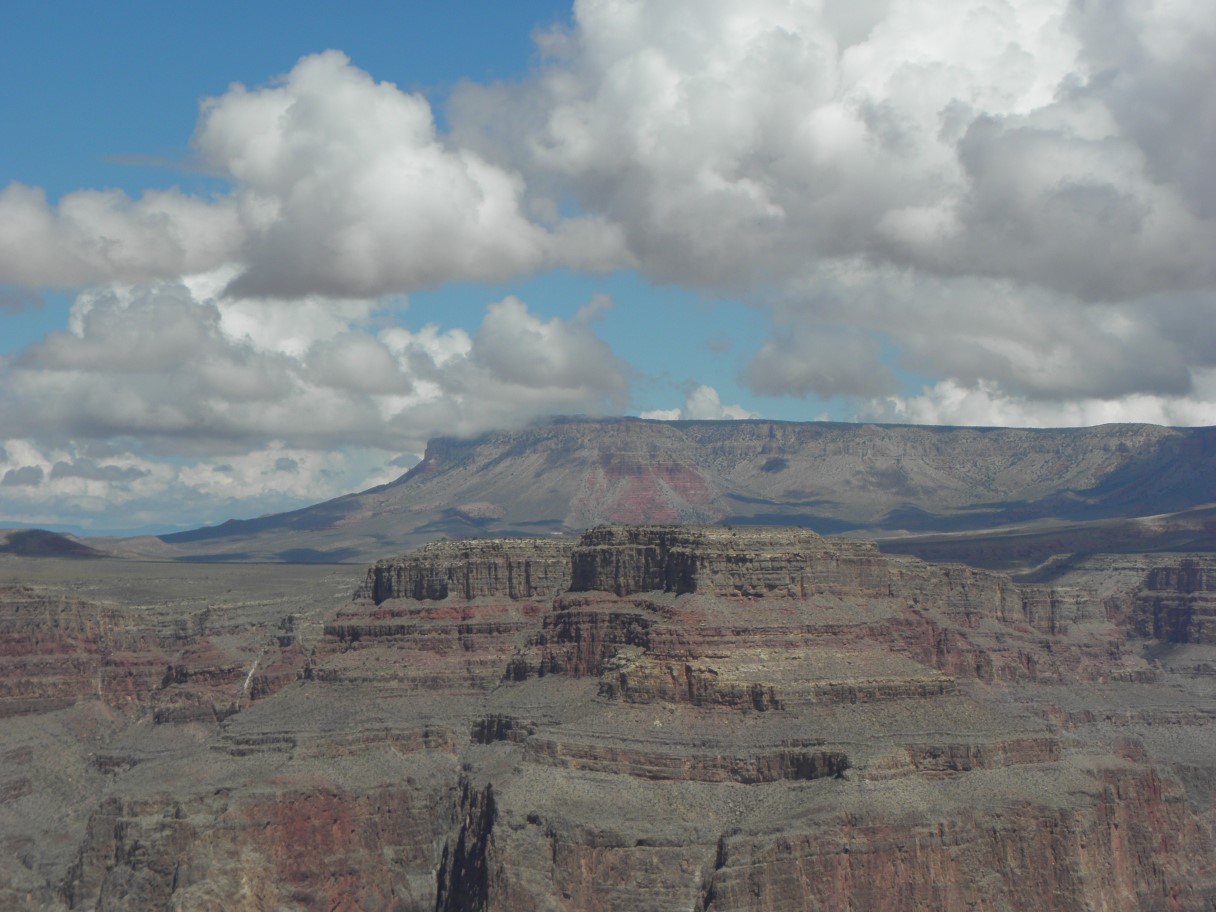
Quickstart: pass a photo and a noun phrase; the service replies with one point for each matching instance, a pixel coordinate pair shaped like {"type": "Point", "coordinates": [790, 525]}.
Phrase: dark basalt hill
{"type": "Point", "coordinates": [881, 481]}
{"type": "Point", "coordinates": [42, 543]}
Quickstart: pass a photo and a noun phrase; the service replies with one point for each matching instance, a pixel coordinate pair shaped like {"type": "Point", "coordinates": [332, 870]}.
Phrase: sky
{"type": "Point", "coordinates": [254, 256]}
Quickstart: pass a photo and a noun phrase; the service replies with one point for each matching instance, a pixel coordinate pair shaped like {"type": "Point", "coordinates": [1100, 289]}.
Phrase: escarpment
{"type": "Point", "coordinates": [1177, 603]}
{"type": "Point", "coordinates": [746, 561]}
{"type": "Point", "coordinates": [1020, 495]}
{"type": "Point", "coordinates": [645, 718]}
{"type": "Point", "coordinates": [471, 569]}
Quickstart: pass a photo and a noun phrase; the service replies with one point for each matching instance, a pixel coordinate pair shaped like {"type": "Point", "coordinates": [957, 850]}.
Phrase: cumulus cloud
{"type": "Point", "coordinates": [703, 403]}
{"type": "Point", "coordinates": [154, 407]}
{"type": "Point", "coordinates": [1041, 163]}
{"type": "Point", "coordinates": [984, 404]}
{"type": "Point", "coordinates": [155, 363]}
{"type": "Point", "coordinates": [90, 469]}
{"type": "Point", "coordinates": [127, 489]}
{"type": "Point", "coordinates": [340, 186]}
{"type": "Point", "coordinates": [102, 235]}
{"type": "Point", "coordinates": [1014, 191]}
{"type": "Point", "coordinates": [980, 138]}
{"type": "Point", "coordinates": [840, 330]}
{"type": "Point", "coordinates": [347, 188]}
{"type": "Point", "coordinates": [23, 477]}
{"type": "Point", "coordinates": [522, 350]}
{"type": "Point", "coordinates": [805, 357]}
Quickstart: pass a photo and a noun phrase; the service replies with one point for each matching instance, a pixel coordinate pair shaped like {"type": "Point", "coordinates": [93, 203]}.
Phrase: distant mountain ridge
{"type": "Point", "coordinates": [566, 475]}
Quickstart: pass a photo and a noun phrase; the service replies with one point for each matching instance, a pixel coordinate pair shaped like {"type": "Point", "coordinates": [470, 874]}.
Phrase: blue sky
{"type": "Point", "coordinates": [253, 256]}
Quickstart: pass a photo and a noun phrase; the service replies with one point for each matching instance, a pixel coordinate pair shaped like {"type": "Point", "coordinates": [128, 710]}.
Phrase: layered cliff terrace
{"type": "Point", "coordinates": [644, 718]}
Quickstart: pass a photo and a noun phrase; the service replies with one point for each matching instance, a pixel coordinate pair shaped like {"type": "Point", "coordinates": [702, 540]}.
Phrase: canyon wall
{"type": "Point", "coordinates": [470, 569]}
{"type": "Point", "coordinates": [709, 719]}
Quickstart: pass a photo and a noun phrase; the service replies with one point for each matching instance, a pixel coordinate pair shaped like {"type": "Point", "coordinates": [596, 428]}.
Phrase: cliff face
{"type": "Point", "coordinates": [1178, 603]}
{"type": "Point", "coordinates": [482, 568]}
{"type": "Point", "coordinates": [723, 561]}
{"type": "Point", "coordinates": [566, 476]}
{"type": "Point", "coordinates": [656, 718]}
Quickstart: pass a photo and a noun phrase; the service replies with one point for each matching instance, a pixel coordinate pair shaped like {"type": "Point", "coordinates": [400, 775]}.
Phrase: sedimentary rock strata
{"type": "Point", "coordinates": [56, 651]}
{"type": "Point", "coordinates": [1177, 603]}
{"type": "Point", "coordinates": [744, 561]}
{"type": "Point", "coordinates": [481, 568]}
{"type": "Point", "coordinates": [568, 475]}
{"type": "Point", "coordinates": [646, 718]}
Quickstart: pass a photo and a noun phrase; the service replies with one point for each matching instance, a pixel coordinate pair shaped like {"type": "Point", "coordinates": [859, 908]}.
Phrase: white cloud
{"type": "Point", "coordinates": [731, 141]}
{"type": "Point", "coordinates": [1038, 167]}
{"type": "Point", "coordinates": [348, 189]}
{"type": "Point", "coordinates": [703, 403]}
{"type": "Point", "coordinates": [522, 350]}
{"type": "Point", "coordinates": [155, 363]}
{"type": "Point", "coordinates": [127, 490]}
{"type": "Point", "coordinates": [152, 408]}
{"type": "Point", "coordinates": [983, 404]}
{"type": "Point", "coordinates": [102, 235]}
{"type": "Point", "coordinates": [341, 186]}
{"type": "Point", "coordinates": [673, 414]}
{"type": "Point", "coordinates": [842, 329]}
{"type": "Point", "coordinates": [807, 356]}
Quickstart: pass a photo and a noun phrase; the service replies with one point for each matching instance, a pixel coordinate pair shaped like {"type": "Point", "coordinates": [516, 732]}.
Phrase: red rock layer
{"type": "Point", "coordinates": [56, 651]}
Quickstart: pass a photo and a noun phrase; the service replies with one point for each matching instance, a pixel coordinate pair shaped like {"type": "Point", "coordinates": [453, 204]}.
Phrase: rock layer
{"type": "Point", "coordinates": [649, 718]}
{"type": "Point", "coordinates": [567, 475]}
{"type": "Point", "coordinates": [1178, 603]}
{"type": "Point", "coordinates": [482, 568]}
{"type": "Point", "coordinates": [720, 560]}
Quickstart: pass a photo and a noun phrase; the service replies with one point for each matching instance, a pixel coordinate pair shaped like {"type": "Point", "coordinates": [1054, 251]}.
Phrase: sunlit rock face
{"type": "Point", "coordinates": [1110, 488]}
{"type": "Point", "coordinates": [642, 718]}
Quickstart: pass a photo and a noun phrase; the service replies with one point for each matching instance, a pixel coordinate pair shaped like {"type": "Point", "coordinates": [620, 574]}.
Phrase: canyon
{"type": "Point", "coordinates": [639, 717]}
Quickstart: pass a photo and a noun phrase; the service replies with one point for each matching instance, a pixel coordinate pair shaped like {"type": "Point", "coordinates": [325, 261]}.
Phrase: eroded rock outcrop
{"type": "Point", "coordinates": [747, 561]}
{"type": "Point", "coordinates": [655, 718]}
{"type": "Point", "coordinates": [1177, 602]}
{"type": "Point", "coordinates": [56, 651]}
{"type": "Point", "coordinates": [478, 568]}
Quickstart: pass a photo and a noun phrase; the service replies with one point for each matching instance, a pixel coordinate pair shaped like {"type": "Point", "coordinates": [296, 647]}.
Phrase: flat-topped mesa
{"type": "Point", "coordinates": [747, 561]}
{"type": "Point", "coordinates": [515, 568]}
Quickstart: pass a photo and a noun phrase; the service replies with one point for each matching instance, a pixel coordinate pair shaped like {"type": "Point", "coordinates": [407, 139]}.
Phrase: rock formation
{"type": "Point", "coordinates": [1082, 489]}
{"type": "Point", "coordinates": [703, 718]}
{"type": "Point", "coordinates": [470, 569]}
{"type": "Point", "coordinates": [1178, 602]}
